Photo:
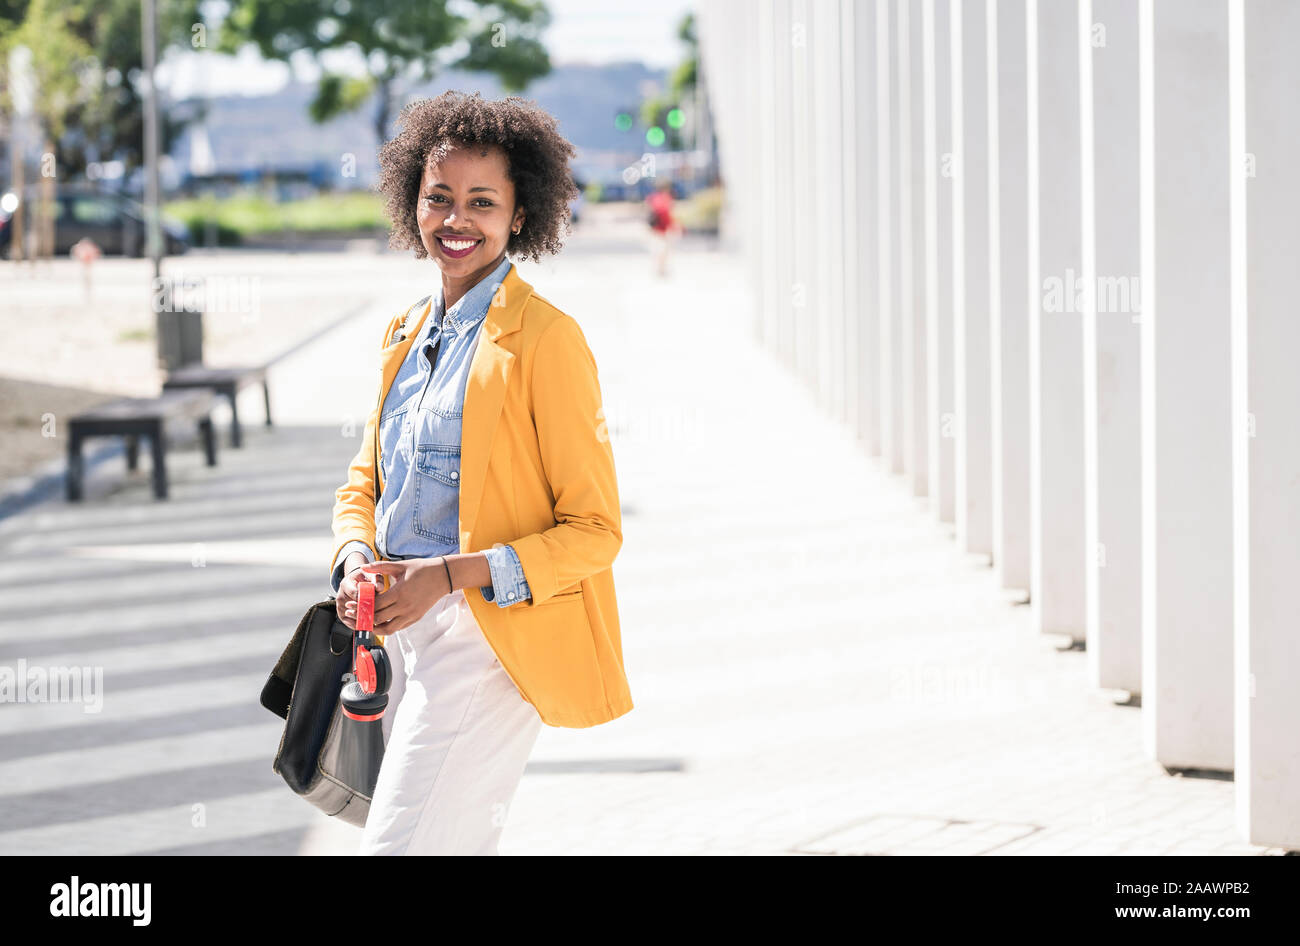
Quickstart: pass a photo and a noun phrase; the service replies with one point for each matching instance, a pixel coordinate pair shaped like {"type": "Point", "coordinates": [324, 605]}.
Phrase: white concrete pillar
{"type": "Point", "coordinates": [769, 246]}
{"type": "Point", "coordinates": [728, 78]}
{"type": "Point", "coordinates": [1186, 444]}
{"type": "Point", "coordinates": [1265, 437]}
{"type": "Point", "coordinates": [972, 384]}
{"type": "Point", "coordinates": [888, 246]}
{"type": "Point", "coordinates": [899, 348]}
{"type": "Point", "coordinates": [937, 72]}
{"type": "Point", "coordinates": [824, 202]}
{"type": "Point", "coordinates": [1055, 327]}
{"type": "Point", "coordinates": [753, 215]}
{"type": "Point", "coordinates": [864, 271]}
{"type": "Point", "coordinates": [805, 244]}
{"type": "Point", "coordinates": [783, 167]}
{"type": "Point", "coordinates": [856, 166]}
{"type": "Point", "coordinates": [1111, 337]}
{"type": "Point", "coordinates": [911, 183]}
{"type": "Point", "coordinates": [873, 219]}
{"type": "Point", "coordinates": [1009, 288]}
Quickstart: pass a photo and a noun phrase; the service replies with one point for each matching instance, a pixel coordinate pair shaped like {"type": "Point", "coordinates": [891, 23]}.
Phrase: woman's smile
{"type": "Point", "coordinates": [457, 249]}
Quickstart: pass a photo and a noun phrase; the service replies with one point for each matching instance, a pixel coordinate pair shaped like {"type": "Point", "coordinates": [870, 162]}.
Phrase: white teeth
{"type": "Point", "coordinates": [458, 245]}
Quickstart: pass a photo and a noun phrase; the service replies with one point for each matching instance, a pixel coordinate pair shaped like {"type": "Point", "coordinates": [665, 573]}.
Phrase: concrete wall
{"type": "Point", "coordinates": [1042, 266]}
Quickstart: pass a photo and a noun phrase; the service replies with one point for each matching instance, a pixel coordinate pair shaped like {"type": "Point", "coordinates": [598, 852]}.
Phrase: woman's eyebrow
{"type": "Point", "coordinates": [471, 190]}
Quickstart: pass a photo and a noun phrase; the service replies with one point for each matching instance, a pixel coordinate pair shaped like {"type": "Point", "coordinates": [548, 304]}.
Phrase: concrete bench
{"type": "Point", "coordinates": [136, 417]}
{"type": "Point", "coordinates": [224, 381]}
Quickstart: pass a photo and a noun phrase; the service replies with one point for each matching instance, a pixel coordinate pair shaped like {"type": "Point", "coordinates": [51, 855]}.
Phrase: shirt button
{"type": "Point", "coordinates": [511, 595]}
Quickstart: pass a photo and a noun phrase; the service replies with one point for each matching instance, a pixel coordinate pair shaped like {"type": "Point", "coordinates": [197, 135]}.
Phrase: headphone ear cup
{"type": "Point", "coordinates": [383, 669]}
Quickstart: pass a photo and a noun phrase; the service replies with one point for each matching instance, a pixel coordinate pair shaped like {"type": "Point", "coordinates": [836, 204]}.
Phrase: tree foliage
{"type": "Point", "coordinates": [399, 40]}
{"type": "Point", "coordinates": [97, 42]}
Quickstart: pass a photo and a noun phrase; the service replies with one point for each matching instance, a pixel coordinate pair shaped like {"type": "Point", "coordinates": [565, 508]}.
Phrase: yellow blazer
{"type": "Point", "coordinates": [537, 473]}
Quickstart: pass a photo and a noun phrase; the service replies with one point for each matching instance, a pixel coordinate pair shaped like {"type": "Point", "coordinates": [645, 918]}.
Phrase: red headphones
{"type": "Point", "coordinates": [372, 673]}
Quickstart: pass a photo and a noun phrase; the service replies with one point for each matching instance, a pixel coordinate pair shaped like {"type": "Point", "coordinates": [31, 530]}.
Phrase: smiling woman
{"type": "Point", "coordinates": [535, 166]}
{"type": "Point", "coordinates": [484, 487]}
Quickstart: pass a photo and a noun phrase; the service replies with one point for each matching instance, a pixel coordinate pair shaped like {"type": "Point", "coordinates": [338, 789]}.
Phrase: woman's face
{"type": "Point", "coordinates": [467, 197]}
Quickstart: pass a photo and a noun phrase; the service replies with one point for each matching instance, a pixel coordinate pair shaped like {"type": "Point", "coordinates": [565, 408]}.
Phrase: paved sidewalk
{"type": "Point", "coordinates": [815, 668]}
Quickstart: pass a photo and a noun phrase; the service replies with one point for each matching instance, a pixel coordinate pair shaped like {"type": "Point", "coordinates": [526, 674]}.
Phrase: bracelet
{"type": "Point", "coordinates": [450, 584]}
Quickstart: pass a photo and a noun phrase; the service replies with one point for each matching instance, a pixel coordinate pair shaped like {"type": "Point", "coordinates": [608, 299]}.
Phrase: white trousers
{"type": "Point", "coordinates": [457, 737]}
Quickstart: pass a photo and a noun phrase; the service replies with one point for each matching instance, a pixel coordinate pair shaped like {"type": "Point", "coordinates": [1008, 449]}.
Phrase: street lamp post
{"type": "Point", "coordinates": [179, 333]}
{"type": "Point", "coordinates": [148, 15]}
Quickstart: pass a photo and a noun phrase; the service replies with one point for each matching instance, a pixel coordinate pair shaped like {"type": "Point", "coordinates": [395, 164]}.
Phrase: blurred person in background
{"type": "Point", "coordinates": [664, 227]}
{"type": "Point", "coordinates": [483, 496]}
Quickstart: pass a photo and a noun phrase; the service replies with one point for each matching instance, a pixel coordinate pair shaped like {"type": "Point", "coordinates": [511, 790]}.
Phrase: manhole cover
{"type": "Point", "coordinates": [917, 834]}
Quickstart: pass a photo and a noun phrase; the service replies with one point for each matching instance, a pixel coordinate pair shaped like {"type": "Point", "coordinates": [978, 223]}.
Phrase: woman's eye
{"type": "Point", "coordinates": [483, 201]}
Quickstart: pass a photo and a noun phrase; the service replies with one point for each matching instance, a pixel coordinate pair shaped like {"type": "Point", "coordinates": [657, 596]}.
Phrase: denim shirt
{"type": "Point", "coordinates": [418, 514]}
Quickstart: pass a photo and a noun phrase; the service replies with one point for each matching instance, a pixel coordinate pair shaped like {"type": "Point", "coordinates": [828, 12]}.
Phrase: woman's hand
{"type": "Point", "coordinates": [417, 585]}
{"type": "Point", "coordinates": [345, 602]}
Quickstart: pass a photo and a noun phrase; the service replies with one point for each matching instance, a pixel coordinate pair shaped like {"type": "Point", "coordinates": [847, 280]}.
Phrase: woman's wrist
{"type": "Point", "coordinates": [468, 570]}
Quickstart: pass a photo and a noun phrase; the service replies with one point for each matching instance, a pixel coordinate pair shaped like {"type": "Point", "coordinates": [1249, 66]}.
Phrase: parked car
{"type": "Point", "coordinates": [114, 222]}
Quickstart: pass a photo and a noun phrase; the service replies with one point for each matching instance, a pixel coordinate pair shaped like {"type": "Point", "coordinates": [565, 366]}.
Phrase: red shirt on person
{"type": "Point", "coordinates": [661, 202]}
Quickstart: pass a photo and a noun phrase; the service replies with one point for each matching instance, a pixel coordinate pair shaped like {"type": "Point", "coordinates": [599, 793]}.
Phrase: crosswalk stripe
{"type": "Point", "coordinates": [142, 757]}
{"type": "Point", "coordinates": [141, 705]}
{"type": "Point", "coordinates": [245, 816]}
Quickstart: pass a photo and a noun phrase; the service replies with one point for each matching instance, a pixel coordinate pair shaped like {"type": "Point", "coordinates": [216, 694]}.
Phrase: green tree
{"type": "Point", "coordinates": [109, 123]}
{"type": "Point", "coordinates": [63, 68]}
{"type": "Point", "coordinates": [62, 72]}
{"type": "Point", "coordinates": [112, 124]}
{"type": "Point", "coordinates": [400, 41]}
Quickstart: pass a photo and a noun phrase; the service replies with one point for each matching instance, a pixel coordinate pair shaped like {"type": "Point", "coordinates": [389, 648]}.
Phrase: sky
{"type": "Point", "coordinates": [582, 31]}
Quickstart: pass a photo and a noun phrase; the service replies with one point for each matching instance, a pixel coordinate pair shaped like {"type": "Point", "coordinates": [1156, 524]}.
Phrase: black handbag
{"type": "Point", "coordinates": [314, 758]}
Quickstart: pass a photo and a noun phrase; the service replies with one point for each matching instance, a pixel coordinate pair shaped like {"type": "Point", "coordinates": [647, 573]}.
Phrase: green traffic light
{"type": "Point", "coordinates": [654, 136]}
{"type": "Point", "coordinates": [676, 119]}
{"type": "Point", "coordinates": [623, 121]}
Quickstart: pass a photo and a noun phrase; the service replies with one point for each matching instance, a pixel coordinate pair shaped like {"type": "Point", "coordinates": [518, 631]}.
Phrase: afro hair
{"type": "Point", "coordinates": [537, 157]}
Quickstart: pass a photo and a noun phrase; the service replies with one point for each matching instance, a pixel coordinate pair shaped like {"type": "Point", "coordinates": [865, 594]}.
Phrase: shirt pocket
{"type": "Point", "coordinates": [437, 492]}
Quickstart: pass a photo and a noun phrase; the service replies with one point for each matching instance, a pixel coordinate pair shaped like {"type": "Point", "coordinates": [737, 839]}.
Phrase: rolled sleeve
{"type": "Point", "coordinates": [336, 578]}
{"type": "Point", "coordinates": [508, 583]}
